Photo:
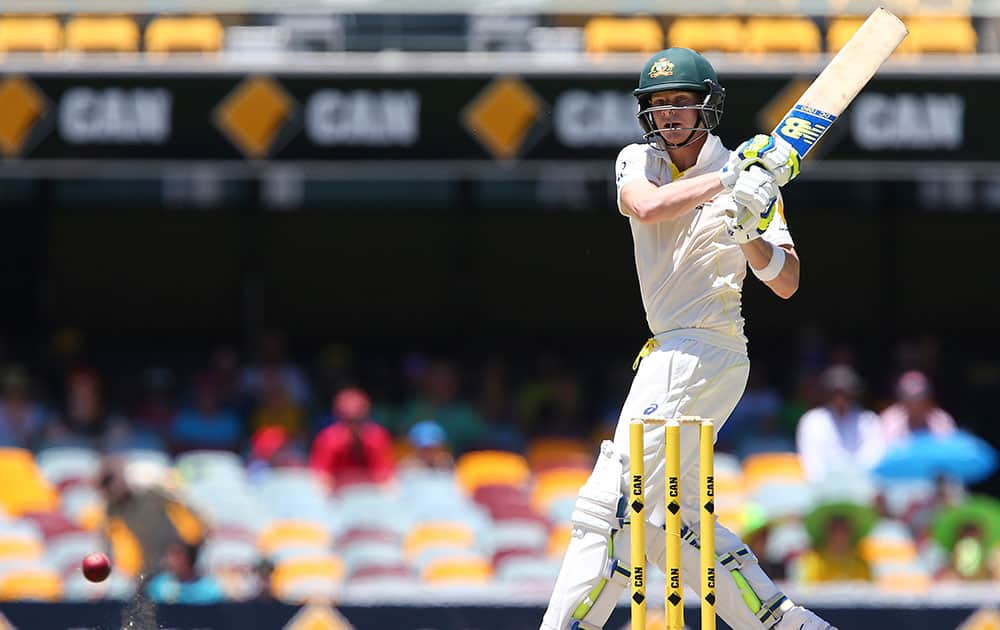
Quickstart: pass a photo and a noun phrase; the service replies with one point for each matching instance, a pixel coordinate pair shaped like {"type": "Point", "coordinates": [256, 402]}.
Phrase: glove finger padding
{"type": "Point", "coordinates": [757, 190]}
{"type": "Point", "coordinates": [772, 154]}
{"type": "Point", "coordinates": [739, 221]}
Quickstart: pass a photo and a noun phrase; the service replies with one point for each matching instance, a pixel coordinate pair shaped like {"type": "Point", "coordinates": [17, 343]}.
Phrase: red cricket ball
{"type": "Point", "coordinates": [96, 567]}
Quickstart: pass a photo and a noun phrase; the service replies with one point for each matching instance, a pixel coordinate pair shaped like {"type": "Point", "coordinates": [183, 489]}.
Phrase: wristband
{"type": "Point", "coordinates": [773, 268]}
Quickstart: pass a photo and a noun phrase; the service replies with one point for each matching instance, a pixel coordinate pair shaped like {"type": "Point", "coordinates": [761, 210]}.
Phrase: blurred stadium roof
{"type": "Point", "coordinates": [678, 7]}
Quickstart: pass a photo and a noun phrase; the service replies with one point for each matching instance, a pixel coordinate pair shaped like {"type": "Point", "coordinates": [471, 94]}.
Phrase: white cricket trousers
{"type": "Point", "coordinates": [691, 373]}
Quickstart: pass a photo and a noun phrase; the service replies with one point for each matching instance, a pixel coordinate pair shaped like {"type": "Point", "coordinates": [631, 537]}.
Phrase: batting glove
{"type": "Point", "coordinates": [756, 191]}
{"type": "Point", "coordinates": [773, 154]}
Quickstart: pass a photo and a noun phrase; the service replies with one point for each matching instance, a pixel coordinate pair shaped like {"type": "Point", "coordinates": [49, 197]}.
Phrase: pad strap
{"type": "Point", "coordinates": [735, 560]}
{"type": "Point", "coordinates": [771, 611]}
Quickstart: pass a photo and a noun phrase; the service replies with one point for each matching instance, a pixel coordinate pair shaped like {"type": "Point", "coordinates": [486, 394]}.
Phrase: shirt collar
{"type": "Point", "coordinates": [707, 158]}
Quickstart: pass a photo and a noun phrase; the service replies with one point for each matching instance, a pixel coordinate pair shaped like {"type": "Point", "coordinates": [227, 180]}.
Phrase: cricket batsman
{"type": "Point", "coordinates": [700, 214]}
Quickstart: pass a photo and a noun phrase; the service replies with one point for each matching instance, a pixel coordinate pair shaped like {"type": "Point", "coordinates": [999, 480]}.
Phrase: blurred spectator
{"type": "Point", "coordinates": [915, 410]}
{"type": "Point", "coordinates": [562, 413]}
{"type": "Point", "coordinates": [21, 419]}
{"type": "Point", "coordinates": [438, 399]}
{"type": "Point", "coordinates": [756, 533]}
{"type": "Point", "coordinates": [835, 530]}
{"type": "Point", "coordinates": [753, 424]}
{"type": "Point", "coordinates": [271, 447]}
{"type": "Point", "coordinates": [495, 409]}
{"type": "Point", "coordinates": [179, 583]}
{"type": "Point", "coordinates": [156, 408]}
{"type": "Point", "coordinates": [86, 416]}
{"type": "Point", "coordinates": [354, 448]}
{"type": "Point", "coordinates": [225, 368]}
{"type": "Point", "coordinates": [969, 533]}
{"type": "Point", "coordinates": [808, 394]}
{"type": "Point", "coordinates": [273, 364]}
{"type": "Point", "coordinates": [207, 424]}
{"type": "Point", "coordinates": [142, 523]}
{"type": "Point", "coordinates": [263, 571]}
{"type": "Point", "coordinates": [430, 448]}
{"type": "Point", "coordinates": [277, 407]}
{"type": "Point", "coordinates": [840, 435]}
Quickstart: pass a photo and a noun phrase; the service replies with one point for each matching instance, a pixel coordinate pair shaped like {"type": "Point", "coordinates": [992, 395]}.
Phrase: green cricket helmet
{"type": "Point", "coordinates": [679, 69]}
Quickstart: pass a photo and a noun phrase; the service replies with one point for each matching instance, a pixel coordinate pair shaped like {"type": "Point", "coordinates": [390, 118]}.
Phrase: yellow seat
{"type": "Point", "coordinates": [184, 34]}
{"type": "Point", "coordinates": [782, 34]}
{"type": "Point", "coordinates": [558, 541]}
{"type": "Point", "coordinates": [324, 566]}
{"type": "Point", "coordinates": [761, 468]}
{"type": "Point", "coordinates": [457, 571]}
{"type": "Point", "coordinates": [635, 34]}
{"type": "Point", "coordinates": [292, 533]}
{"type": "Point", "coordinates": [20, 548]}
{"type": "Point", "coordinates": [556, 484]}
{"type": "Point", "coordinates": [30, 34]}
{"type": "Point", "coordinates": [724, 34]}
{"type": "Point", "coordinates": [486, 468]}
{"type": "Point", "coordinates": [35, 584]}
{"type": "Point", "coordinates": [455, 535]}
{"type": "Point", "coordinates": [942, 34]}
{"type": "Point", "coordinates": [840, 30]}
{"type": "Point", "coordinates": [544, 453]}
{"type": "Point", "coordinates": [102, 34]}
{"type": "Point", "coordinates": [30, 492]}
{"type": "Point", "coordinates": [877, 550]}
{"type": "Point", "coordinates": [313, 579]}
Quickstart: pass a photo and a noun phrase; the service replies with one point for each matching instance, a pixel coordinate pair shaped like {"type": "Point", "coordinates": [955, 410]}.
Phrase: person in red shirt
{"type": "Point", "coordinates": [354, 449]}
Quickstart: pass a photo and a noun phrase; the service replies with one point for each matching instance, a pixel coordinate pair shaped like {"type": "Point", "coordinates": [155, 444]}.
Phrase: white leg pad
{"type": "Point", "coordinates": [595, 568]}
{"type": "Point", "coordinates": [731, 554]}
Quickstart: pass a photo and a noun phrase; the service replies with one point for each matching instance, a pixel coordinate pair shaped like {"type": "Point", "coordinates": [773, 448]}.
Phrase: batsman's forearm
{"type": "Point", "coordinates": [674, 199]}
{"type": "Point", "coordinates": [758, 253]}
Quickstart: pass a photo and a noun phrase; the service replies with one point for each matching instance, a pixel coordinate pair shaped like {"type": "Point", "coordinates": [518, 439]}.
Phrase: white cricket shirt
{"type": "Point", "coordinates": [690, 271]}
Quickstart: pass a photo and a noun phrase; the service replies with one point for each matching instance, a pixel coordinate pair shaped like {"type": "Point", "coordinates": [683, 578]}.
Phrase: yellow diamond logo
{"type": "Point", "coordinates": [21, 105]}
{"type": "Point", "coordinates": [502, 116]}
{"type": "Point", "coordinates": [318, 618]}
{"type": "Point", "coordinates": [254, 114]}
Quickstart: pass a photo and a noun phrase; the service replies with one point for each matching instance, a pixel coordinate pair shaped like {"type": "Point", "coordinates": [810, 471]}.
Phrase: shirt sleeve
{"type": "Point", "coordinates": [777, 233]}
{"type": "Point", "coordinates": [631, 165]}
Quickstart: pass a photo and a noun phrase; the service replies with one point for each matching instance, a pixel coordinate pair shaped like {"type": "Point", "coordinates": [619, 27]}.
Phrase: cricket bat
{"type": "Point", "coordinates": [841, 80]}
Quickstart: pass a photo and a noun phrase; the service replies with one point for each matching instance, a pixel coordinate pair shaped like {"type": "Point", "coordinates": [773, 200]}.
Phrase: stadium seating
{"type": "Point", "coordinates": [184, 34]}
{"type": "Point", "coordinates": [483, 468]}
{"type": "Point", "coordinates": [545, 453]}
{"type": "Point", "coordinates": [554, 485]}
{"type": "Point", "coordinates": [707, 34]}
{"type": "Point", "coordinates": [782, 34]}
{"type": "Point", "coordinates": [942, 34]}
{"type": "Point", "coordinates": [462, 571]}
{"type": "Point", "coordinates": [840, 29]}
{"type": "Point", "coordinates": [558, 541]}
{"type": "Point", "coordinates": [308, 579]}
{"type": "Point", "coordinates": [761, 468]}
{"type": "Point", "coordinates": [38, 582]}
{"type": "Point", "coordinates": [289, 536]}
{"type": "Point", "coordinates": [102, 34]}
{"type": "Point", "coordinates": [636, 34]}
{"type": "Point", "coordinates": [441, 535]}
{"type": "Point", "coordinates": [69, 464]}
{"type": "Point", "coordinates": [32, 493]}
{"type": "Point", "coordinates": [30, 34]}
{"type": "Point", "coordinates": [20, 542]}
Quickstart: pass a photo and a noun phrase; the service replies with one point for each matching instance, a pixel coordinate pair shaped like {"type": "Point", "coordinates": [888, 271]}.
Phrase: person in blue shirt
{"type": "Point", "coordinates": [207, 424]}
{"type": "Point", "coordinates": [179, 582]}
